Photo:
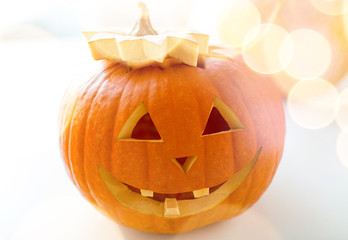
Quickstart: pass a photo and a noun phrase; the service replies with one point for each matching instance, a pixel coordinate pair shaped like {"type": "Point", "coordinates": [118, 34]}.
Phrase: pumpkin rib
{"type": "Point", "coordinates": [167, 72]}
{"type": "Point", "coordinates": [203, 122]}
{"type": "Point", "coordinates": [204, 144]}
{"type": "Point", "coordinates": [187, 72]}
{"type": "Point", "coordinates": [81, 162]}
{"type": "Point", "coordinates": [245, 101]}
{"type": "Point", "coordinates": [110, 70]}
{"type": "Point", "coordinates": [84, 91]}
{"type": "Point", "coordinates": [175, 82]}
{"type": "Point", "coordinates": [126, 78]}
{"type": "Point", "coordinates": [248, 185]}
{"type": "Point", "coordinates": [277, 128]}
{"type": "Point", "coordinates": [156, 76]}
{"type": "Point", "coordinates": [104, 82]}
{"type": "Point", "coordinates": [212, 81]}
{"type": "Point", "coordinates": [132, 87]}
{"type": "Point", "coordinates": [212, 88]}
{"type": "Point", "coordinates": [124, 87]}
{"type": "Point", "coordinates": [274, 166]}
{"type": "Point", "coordinates": [148, 102]}
{"type": "Point", "coordinates": [145, 88]}
{"type": "Point", "coordinates": [169, 81]}
{"type": "Point", "coordinates": [231, 68]}
{"type": "Point", "coordinates": [65, 133]}
{"type": "Point", "coordinates": [147, 145]}
{"type": "Point", "coordinates": [171, 97]}
{"type": "Point", "coordinates": [123, 78]}
{"type": "Point", "coordinates": [216, 74]}
{"type": "Point", "coordinates": [273, 133]}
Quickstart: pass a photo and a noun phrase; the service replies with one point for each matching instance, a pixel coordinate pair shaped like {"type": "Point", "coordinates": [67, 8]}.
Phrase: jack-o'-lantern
{"type": "Point", "coordinates": [170, 135]}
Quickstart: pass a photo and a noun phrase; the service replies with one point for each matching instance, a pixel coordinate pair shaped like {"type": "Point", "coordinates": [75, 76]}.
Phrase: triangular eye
{"type": "Point", "coordinates": [216, 123]}
{"type": "Point", "coordinates": [145, 129]}
{"type": "Point", "coordinates": [139, 126]}
{"type": "Point", "coordinates": [221, 119]}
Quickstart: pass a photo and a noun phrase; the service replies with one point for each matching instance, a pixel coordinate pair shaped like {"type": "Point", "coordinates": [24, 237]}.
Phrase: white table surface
{"type": "Point", "coordinates": [308, 198]}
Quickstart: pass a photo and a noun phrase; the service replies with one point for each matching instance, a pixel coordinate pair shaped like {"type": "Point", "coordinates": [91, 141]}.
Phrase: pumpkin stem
{"type": "Point", "coordinates": [143, 26]}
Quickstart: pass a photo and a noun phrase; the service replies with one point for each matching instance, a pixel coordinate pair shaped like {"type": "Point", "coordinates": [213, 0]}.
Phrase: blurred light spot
{"type": "Point", "coordinates": [313, 104]}
{"type": "Point", "coordinates": [312, 54]}
{"type": "Point", "coordinates": [67, 218]}
{"type": "Point", "coordinates": [331, 7]}
{"type": "Point", "coordinates": [235, 20]}
{"type": "Point", "coordinates": [342, 115]}
{"type": "Point", "coordinates": [271, 51]}
{"type": "Point", "coordinates": [341, 147]}
{"type": "Point", "coordinates": [345, 21]}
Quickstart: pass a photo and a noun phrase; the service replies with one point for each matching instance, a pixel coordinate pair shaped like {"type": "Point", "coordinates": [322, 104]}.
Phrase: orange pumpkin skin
{"type": "Point", "coordinates": [179, 99]}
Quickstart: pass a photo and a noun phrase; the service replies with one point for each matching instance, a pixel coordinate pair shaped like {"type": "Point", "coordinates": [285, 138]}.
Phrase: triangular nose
{"type": "Point", "coordinates": [184, 163]}
{"type": "Point", "coordinates": [181, 160]}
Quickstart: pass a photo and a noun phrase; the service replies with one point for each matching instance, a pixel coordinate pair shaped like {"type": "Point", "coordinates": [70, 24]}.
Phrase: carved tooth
{"type": "Point", "coordinates": [201, 192]}
{"type": "Point", "coordinates": [171, 207]}
{"type": "Point", "coordinates": [146, 193]}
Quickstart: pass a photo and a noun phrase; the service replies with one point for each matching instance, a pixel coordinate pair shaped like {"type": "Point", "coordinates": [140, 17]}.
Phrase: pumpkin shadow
{"type": "Point", "coordinates": [250, 225]}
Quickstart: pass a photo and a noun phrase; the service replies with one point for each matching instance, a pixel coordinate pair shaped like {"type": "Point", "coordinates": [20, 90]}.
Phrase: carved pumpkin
{"type": "Point", "coordinates": [172, 145]}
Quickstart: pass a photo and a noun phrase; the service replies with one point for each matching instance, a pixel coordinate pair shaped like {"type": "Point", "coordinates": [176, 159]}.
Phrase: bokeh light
{"type": "Point", "coordinates": [345, 21]}
{"type": "Point", "coordinates": [331, 7]}
{"type": "Point", "coordinates": [313, 104]}
{"type": "Point", "coordinates": [342, 115]}
{"type": "Point", "coordinates": [312, 54]}
{"type": "Point", "coordinates": [342, 147]}
{"type": "Point", "coordinates": [271, 51]}
{"type": "Point", "coordinates": [235, 20]}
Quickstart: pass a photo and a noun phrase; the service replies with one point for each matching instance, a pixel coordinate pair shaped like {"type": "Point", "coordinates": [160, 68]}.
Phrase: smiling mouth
{"type": "Point", "coordinates": [174, 205]}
